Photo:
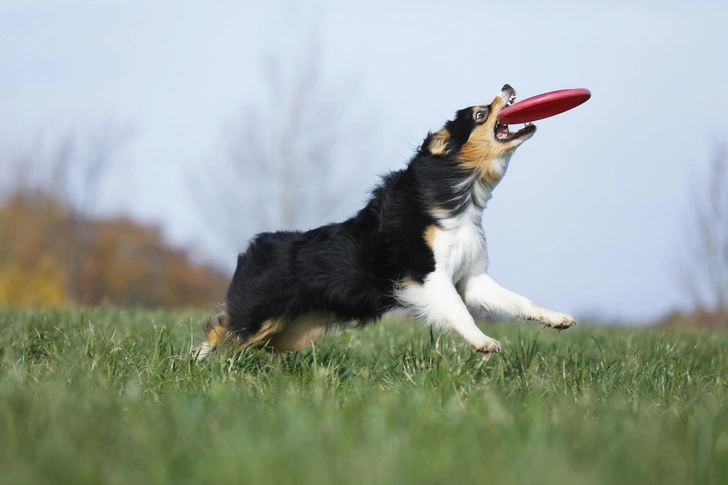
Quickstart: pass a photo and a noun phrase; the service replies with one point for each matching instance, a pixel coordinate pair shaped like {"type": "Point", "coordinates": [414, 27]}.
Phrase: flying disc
{"type": "Point", "coordinates": [544, 105]}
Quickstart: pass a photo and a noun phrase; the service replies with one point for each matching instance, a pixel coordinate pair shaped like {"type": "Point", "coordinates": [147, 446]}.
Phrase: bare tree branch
{"type": "Point", "coordinates": [706, 272]}
{"type": "Point", "coordinates": [73, 174]}
{"type": "Point", "coordinates": [70, 170]}
{"type": "Point", "coordinates": [289, 156]}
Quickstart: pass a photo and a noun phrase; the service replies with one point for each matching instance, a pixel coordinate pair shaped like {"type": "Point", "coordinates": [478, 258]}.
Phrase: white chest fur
{"type": "Point", "coordinates": [460, 246]}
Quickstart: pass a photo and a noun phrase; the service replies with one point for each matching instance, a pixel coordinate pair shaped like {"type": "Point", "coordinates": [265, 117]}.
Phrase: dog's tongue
{"type": "Point", "coordinates": [544, 106]}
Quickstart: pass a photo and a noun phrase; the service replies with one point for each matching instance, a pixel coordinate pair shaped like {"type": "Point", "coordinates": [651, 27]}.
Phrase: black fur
{"type": "Point", "coordinates": [350, 270]}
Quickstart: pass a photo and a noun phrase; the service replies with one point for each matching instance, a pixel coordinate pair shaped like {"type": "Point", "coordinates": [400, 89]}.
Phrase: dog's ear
{"type": "Point", "coordinates": [461, 127]}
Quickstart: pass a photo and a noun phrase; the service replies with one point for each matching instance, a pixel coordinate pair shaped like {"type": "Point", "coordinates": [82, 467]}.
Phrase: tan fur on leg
{"type": "Point", "coordinates": [265, 334]}
{"type": "Point", "coordinates": [213, 337]}
{"type": "Point", "coordinates": [301, 333]}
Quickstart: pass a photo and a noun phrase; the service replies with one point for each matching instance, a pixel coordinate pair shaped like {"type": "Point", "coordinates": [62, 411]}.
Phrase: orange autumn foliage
{"type": "Point", "coordinates": [49, 257]}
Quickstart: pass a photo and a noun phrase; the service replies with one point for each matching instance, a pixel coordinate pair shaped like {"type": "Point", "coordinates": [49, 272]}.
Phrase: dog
{"type": "Point", "coordinates": [418, 244]}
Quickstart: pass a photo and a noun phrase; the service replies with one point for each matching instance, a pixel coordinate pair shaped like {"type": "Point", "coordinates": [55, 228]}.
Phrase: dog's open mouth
{"type": "Point", "coordinates": [503, 134]}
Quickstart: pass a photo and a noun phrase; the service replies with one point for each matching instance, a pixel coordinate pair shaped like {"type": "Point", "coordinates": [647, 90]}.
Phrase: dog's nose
{"type": "Point", "coordinates": [506, 87]}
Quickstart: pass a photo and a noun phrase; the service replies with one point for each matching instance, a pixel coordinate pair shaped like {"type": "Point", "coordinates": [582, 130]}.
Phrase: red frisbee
{"type": "Point", "coordinates": [544, 105]}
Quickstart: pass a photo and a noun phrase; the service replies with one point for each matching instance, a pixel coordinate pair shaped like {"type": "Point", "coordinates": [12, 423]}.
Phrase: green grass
{"type": "Point", "coordinates": [109, 396]}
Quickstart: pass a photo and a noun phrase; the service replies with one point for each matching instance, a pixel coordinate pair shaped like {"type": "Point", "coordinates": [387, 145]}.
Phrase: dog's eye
{"type": "Point", "coordinates": [480, 115]}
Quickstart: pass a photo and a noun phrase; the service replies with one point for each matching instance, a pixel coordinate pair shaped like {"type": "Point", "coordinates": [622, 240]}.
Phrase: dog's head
{"type": "Point", "coordinates": [476, 138]}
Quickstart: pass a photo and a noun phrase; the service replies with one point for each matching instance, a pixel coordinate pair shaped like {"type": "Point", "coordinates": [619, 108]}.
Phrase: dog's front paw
{"type": "Point", "coordinates": [489, 347]}
{"type": "Point", "coordinates": [559, 321]}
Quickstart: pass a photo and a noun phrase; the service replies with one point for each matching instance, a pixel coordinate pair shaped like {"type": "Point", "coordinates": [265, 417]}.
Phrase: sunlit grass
{"type": "Point", "coordinates": [109, 396]}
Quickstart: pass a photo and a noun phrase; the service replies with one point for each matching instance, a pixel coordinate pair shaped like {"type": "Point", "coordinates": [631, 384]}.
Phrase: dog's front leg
{"type": "Point", "coordinates": [439, 303]}
{"type": "Point", "coordinates": [481, 292]}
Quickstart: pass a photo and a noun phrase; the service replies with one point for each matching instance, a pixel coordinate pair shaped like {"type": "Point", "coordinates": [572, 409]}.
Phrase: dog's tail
{"type": "Point", "coordinates": [215, 332]}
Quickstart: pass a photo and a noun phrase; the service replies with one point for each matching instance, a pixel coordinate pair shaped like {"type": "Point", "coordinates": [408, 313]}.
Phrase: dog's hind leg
{"type": "Point", "coordinates": [300, 333]}
{"type": "Point", "coordinates": [215, 334]}
{"type": "Point", "coordinates": [276, 334]}
{"type": "Point", "coordinates": [285, 334]}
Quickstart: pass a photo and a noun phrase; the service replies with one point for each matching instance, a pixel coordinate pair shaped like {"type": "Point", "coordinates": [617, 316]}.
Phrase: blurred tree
{"type": "Point", "coordinates": [122, 262]}
{"type": "Point", "coordinates": [55, 248]}
{"type": "Point", "coordinates": [72, 172]}
{"type": "Point", "coordinates": [289, 156]}
{"type": "Point", "coordinates": [30, 271]}
{"type": "Point", "coordinates": [706, 271]}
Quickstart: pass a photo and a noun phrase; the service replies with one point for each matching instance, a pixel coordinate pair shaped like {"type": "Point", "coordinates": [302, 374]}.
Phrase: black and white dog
{"type": "Point", "coordinates": [417, 244]}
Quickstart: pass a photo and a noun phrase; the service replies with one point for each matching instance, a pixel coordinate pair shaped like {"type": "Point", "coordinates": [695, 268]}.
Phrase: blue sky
{"type": "Point", "coordinates": [590, 218]}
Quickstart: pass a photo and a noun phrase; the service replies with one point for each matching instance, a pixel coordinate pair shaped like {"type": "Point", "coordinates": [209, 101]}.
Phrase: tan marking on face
{"type": "Point", "coordinates": [482, 149]}
{"type": "Point", "coordinates": [478, 154]}
{"type": "Point", "coordinates": [301, 333]}
{"type": "Point", "coordinates": [438, 143]}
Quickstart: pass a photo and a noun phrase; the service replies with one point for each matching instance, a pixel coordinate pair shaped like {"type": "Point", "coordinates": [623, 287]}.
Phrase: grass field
{"type": "Point", "coordinates": [109, 396]}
